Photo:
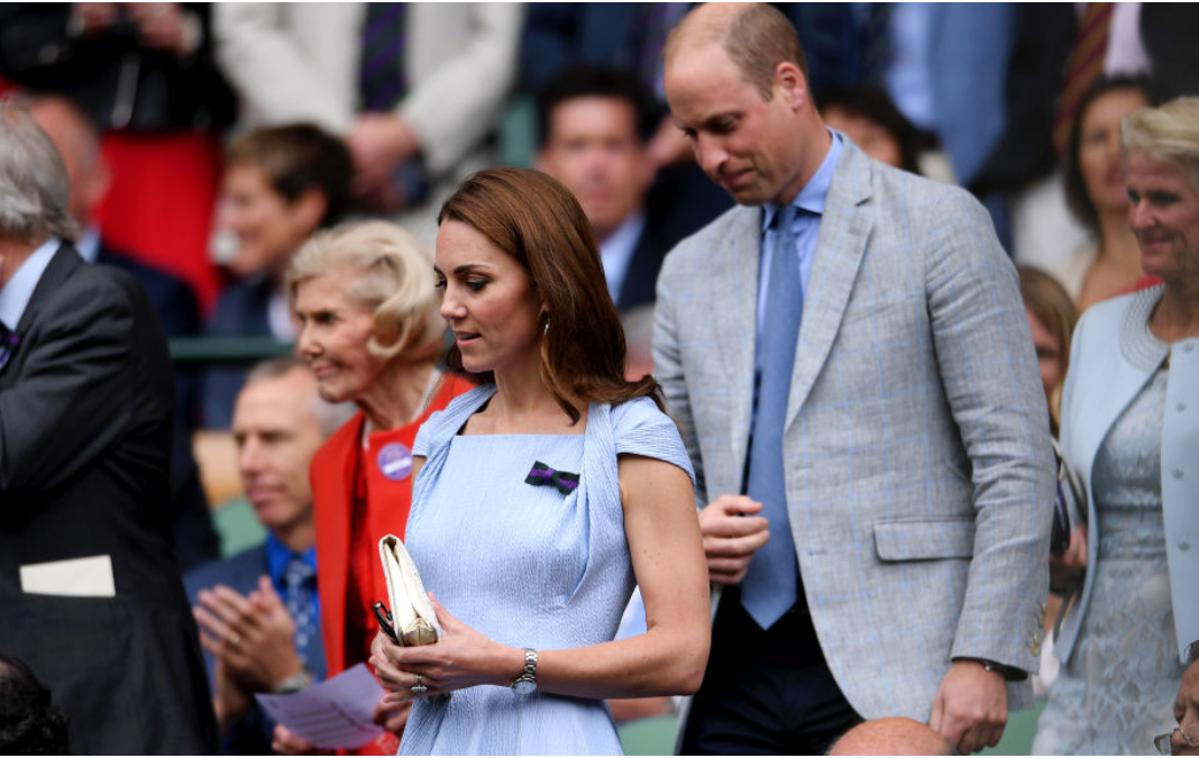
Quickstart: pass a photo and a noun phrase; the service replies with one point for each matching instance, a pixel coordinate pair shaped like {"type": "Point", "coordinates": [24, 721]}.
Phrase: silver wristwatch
{"type": "Point", "coordinates": [526, 683]}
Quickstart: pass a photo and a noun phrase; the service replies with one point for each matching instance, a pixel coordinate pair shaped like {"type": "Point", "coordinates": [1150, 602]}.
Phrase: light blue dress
{"type": "Point", "coordinates": [526, 565]}
{"type": "Point", "coordinates": [1117, 691]}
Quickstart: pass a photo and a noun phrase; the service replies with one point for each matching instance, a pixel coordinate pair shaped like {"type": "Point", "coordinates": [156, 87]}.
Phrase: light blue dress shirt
{"type": "Point", "coordinates": [806, 227]}
{"type": "Point", "coordinates": [15, 296]}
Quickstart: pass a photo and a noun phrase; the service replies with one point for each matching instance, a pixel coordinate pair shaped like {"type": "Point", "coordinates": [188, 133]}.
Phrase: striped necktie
{"type": "Point", "coordinates": [1083, 68]}
{"type": "Point", "coordinates": [381, 72]}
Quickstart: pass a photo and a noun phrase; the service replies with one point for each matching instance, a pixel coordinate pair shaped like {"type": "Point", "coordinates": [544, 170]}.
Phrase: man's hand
{"type": "Point", "coordinates": [970, 709]}
{"type": "Point", "coordinates": [1185, 741]}
{"type": "Point", "coordinates": [255, 636]}
{"type": "Point", "coordinates": [731, 536]}
{"type": "Point", "coordinates": [162, 26]}
{"type": "Point", "coordinates": [669, 146]}
{"type": "Point", "coordinates": [230, 700]}
{"type": "Point", "coordinates": [92, 18]}
{"type": "Point", "coordinates": [379, 142]}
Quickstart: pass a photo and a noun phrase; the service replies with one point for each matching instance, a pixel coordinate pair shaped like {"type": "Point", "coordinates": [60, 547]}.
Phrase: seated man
{"type": "Point", "coordinates": [258, 611]}
{"type": "Point", "coordinates": [594, 125]}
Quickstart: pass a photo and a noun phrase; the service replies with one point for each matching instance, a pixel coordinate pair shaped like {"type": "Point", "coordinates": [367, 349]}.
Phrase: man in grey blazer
{"type": "Point", "coordinates": [858, 391]}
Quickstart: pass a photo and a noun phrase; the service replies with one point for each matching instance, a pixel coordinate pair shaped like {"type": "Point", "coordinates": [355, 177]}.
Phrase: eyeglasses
{"type": "Point", "coordinates": [1164, 742]}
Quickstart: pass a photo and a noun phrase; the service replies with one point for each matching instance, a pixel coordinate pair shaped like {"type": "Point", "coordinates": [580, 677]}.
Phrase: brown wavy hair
{"type": "Point", "coordinates": [539, 223]}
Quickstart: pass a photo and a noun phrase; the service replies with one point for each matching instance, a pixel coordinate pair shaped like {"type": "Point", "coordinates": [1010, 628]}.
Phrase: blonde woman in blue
{"type": "Point", "coordinates": [1130, 430]}
{"type": "Point", "coordinates": [544, 496]}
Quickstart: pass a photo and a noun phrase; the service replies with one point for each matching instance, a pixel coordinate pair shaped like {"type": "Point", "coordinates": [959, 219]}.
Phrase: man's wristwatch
{"type": "Point", "coordinates": [526, 683]}
{"type": "Point", "coordinates": [297, 682]}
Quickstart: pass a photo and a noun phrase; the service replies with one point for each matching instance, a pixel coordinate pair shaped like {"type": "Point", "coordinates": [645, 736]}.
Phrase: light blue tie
{"type": "Point", "coordinates": [770, 585]}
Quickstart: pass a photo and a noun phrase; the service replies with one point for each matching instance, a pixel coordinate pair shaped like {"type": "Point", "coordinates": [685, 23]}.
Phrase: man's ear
{"type": "Point", "coordinates": [791, 82]}
{"type": "Point", "coordinates": [311, 207]}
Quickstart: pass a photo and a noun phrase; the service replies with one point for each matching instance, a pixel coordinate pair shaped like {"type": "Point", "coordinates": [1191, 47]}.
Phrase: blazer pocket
{"type": "Point", "coordinates": [924, 539]}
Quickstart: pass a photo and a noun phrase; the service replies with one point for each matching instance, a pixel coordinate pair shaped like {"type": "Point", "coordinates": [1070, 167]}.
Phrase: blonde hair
{"type": "Point", "coordinates": [1169, 133]}
{"type": "Point", "coordinates": [395, 279]}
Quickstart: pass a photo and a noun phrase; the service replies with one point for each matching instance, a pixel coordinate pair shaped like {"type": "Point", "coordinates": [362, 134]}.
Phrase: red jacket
{"type": "Point", "coordinates": [334, 477]}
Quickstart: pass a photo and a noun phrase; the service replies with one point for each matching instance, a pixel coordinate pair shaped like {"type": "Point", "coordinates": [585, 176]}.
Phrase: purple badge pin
{"type": "Point", "coordinates": [395, 461]}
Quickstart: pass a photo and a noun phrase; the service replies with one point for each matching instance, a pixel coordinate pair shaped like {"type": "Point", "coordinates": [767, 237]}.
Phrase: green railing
{"type": "Point", "coordinates": [226, 350]}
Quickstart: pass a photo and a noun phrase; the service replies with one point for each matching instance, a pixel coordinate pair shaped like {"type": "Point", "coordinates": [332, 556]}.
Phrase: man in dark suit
{"type": "Point", "coordinates": [173, 300]}
{"type": "Point", "coordinates": [594, 126]}
{"type": "Point", "coordinates": [89, 588]}
{"type": "Point", "coordinates": [279, 422]}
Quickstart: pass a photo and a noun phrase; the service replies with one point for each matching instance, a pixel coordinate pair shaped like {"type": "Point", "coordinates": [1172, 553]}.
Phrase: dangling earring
{"type": "Point", "coordinates": [546, 329]}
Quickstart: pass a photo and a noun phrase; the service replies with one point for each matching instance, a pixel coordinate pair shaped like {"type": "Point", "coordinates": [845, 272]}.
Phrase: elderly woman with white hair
{"type": "Point", "coordinates": [1130, 428]}
{"type": "Point", "coordinates": [367, 305]}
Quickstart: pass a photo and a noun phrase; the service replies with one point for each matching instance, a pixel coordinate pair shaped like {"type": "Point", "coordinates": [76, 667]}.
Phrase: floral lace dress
{"type": "Point", "coordinates": [1117, 692]}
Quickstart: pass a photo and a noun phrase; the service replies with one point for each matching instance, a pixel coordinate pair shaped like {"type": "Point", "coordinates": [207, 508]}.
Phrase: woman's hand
{"type": "Point", "coordinates": [1066, 570]}
{"type": "Point", "coordinates": [284, 742]}
{"type": "Point", "coordinates": [460, 658]}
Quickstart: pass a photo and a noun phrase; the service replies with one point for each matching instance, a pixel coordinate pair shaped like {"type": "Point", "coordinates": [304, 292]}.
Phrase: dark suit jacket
{"type": "Point", "coordinates": [240, 572]}
{"type": "Point", "coordinates": [241, 311]}
{"type": "Point", "coordinates": [175, 303]}
{"type": "Point", "coordinates": [642, 276]}
{"type": "Point", "coordinates": [85, 435]}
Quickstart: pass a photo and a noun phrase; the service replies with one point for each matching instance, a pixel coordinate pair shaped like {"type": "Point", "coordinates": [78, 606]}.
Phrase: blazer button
{"type": "Point", "coordinates": [1181, 407]}
{"type": "Point", "coordinates": [1184, 545]}
{"type": "Point", "coordinates": [1188, 348]}
{"type": "Point", "coordinates": [1177, 473]}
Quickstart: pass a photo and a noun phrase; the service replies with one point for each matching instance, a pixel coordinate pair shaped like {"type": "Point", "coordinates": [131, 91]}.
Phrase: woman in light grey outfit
{"type": "Point", "coordinates": [1130, 428]}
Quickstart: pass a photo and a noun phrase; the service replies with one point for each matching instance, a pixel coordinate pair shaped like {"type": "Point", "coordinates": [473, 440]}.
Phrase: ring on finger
{"type": "Point", "coordinates": [233, 638]}
{"type": "Point", "coordinates": [419, 688]}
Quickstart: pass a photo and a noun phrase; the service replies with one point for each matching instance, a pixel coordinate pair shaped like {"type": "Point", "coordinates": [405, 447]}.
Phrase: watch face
{"type": "Point", "coordinates": [524, 687]}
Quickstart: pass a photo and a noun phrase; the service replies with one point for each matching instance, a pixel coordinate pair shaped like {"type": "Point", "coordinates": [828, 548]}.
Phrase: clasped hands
{"type": "Point", "coordinates": [461, 657]}
{"type": "Point", "coordinates": [970, 708]}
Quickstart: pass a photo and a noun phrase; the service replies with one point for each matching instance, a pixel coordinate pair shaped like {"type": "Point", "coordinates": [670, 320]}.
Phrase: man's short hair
{"type": "Point", "coordinates": [35, 191]}
{"type": "Point", "coordinates": [29, 722]}
{"type": "Point", "coordinates": [296, 158]}
{"type": "Point", "coordinates": [329, 417]}
{"type": "Point", "coordinates": [597, 81]}
{"type": "Point", "coordinates": [757, 39]}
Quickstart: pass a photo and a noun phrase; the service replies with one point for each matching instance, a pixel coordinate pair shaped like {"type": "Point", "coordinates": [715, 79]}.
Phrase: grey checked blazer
{"type": "Point", "coordinates": [918, 463]}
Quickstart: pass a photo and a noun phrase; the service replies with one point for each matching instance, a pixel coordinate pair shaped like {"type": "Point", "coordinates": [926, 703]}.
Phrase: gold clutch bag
{"type": "Point", "coordinates": [412, 620]}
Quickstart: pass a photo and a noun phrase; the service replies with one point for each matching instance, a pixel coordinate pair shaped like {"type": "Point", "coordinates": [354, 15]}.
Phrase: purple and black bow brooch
{"type": "Point", "coordinates": [542, 474]}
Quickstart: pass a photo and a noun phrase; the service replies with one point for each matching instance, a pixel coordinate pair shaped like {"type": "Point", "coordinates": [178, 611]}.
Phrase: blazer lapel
{"type": "Point", "coordinates": [840, 246]}
{"type": "Point", "coordinates": [65, 261]}
{"type": "Point", "coordinates": [734, 298]}
{"type": "Point", "coordinates": [61, 266]}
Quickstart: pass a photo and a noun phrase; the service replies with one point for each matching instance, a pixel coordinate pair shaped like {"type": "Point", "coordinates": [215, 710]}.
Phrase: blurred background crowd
{"type": "Point", "coordinates": [206, 143]}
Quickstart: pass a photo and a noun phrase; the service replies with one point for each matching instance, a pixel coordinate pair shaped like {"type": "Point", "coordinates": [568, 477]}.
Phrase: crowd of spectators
{"type": "Point", "coordinates": [274, 172]}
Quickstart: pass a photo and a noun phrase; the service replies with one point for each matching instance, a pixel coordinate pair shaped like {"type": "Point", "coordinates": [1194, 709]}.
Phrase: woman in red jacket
{"type": "Point", "coordinates": [367, 305]}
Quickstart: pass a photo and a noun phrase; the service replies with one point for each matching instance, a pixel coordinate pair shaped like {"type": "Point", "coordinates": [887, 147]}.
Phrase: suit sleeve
{"type": "Point", "coordinates": [452, 109]}
{"type": "Point", "coordinates": [272, 74]}
{"type": "Point", "coordinates": [668, 370]}
{"type": "Point", "coordinates": [74, 398]}
{"type": "Point", "coordinates": [985, 356]}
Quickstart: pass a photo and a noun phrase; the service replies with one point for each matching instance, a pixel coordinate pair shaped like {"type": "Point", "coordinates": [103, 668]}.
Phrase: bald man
{"type": "Point", "coordinates": [847, 355]}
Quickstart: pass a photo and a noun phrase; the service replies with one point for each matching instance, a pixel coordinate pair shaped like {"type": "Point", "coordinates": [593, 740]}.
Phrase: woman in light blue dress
{"type": "Point", "coordinates": [543, 497]}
